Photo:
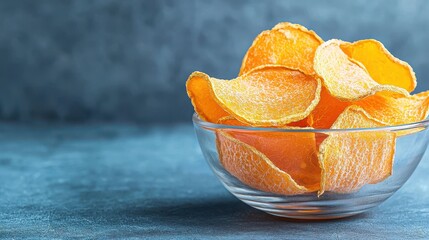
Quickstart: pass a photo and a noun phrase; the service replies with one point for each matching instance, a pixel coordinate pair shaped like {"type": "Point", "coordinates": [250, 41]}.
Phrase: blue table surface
{"type": "Point", "coordinates": [129, 181]}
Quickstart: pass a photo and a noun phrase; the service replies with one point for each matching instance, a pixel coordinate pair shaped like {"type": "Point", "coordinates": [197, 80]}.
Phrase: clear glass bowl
{"type": "Point", "coordinates": [411, 144]}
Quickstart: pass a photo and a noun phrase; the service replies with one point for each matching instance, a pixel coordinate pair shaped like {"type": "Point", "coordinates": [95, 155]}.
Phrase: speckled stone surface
{"type": "Point", "coordinates": [128, 181]}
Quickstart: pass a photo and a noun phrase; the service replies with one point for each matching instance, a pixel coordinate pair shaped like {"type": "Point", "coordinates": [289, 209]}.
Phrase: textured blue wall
{"type": "Point", "coordinates": [128, 60]}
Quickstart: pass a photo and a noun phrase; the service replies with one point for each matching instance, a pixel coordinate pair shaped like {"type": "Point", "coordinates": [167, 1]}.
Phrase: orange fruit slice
{"type": "Point", "coordinates": [396, 111]}
{"type": "Point", "coordinates": [229, 120]}
{"type": "Point", "coordinates": [383, 67]}
{"type": "Point", "coordinates": [345, 78]}
{"type": "Point", "coordinates": [327, 111]}
{"type": "Point", "coordinates": [292, 152]}
{"type": "Point", "coordinates": [306, 122]}
{"type": "Point", "coordinates": [286, 44]}
{"type": "Point", "coordinates": [253, 168]}
{"type": "Point", "coordinates": [349, 160]}
{"type": "Point", "coordinates": [387, 110]}
{"type": "Point", "coordinates": [199, 91]}
{"type": "Point", "coordinates": [269, 95]}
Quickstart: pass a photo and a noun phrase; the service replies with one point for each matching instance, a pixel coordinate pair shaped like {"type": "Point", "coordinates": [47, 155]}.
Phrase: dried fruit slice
{"type": "Point", "coordinates": [355, 117]}
{"type": "Point", "coordinates": [253, 168]}
{"type": "Point", "coordinates": [383, 67]}
{"type": "Point", "coordinates": [286, 44]}
{"type": "Point", "coordinates": [387, 110]}
{"type": "Point", "coordinates": [345, 78]}
{"type": "Point", "coordinates": [306, 122]}
{"type": "Point", "coordinates": [327, 111]}
{"type": "Point", "coordinates": [229, 120]}
{"type": "Point", "coordinates": [199, 91]}
{"type": "Point", "coordinates": [268, 95]}
{"type": "Point", "coordinates": [292, 152]}
{"type": "Point", "coordinates": [396, 111]}
{"type": "Point", "coordinates": [349, 160]}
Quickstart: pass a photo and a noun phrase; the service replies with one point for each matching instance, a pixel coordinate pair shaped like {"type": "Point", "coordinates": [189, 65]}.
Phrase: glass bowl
{"type": "Point", "coordinates": [411, 143]}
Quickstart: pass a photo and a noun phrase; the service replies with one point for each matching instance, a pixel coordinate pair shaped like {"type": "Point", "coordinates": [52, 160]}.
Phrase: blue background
{"type": "Point", "coordinates": [104, 60]}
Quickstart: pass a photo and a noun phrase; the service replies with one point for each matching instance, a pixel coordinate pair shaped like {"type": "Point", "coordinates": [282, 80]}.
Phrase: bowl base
{"type": "Point", "coordinates": [290, 211]}
{"type": "Point", "coordinates": [312, 217]}
{"type": "Point", "coordinates": [309, 206]}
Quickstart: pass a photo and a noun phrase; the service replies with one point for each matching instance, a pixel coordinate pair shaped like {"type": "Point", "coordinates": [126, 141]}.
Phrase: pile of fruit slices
{"type": "Point", "coordinates": [291, 78]}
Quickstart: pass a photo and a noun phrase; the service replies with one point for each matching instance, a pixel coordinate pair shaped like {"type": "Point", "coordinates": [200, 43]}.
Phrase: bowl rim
{"type": "Point", "coordinates": [394, 128]}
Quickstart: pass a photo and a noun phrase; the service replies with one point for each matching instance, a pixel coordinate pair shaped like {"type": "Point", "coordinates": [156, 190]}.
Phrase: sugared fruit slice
{"type": "Point", "coordinates": [286, 44]}
{"type": "Point", "coordinates": [268, 95]}
{"type": "Point", "coordinates": [349, 160]}
{"type": "Point", "coordinates": [292, 152]}
{"type": "Point", "coordinates": [199, 91]}
{"type": "Point", "coordinates": [253, 168]}
{"type": "Point", "coordinates": [383, 67]}
{"type": "Point", "coordinates": [346, 79]}
{"type": "Point", "coordinates": [397, 111]}
{"type": "Point", "coordinates": [327, 111]}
